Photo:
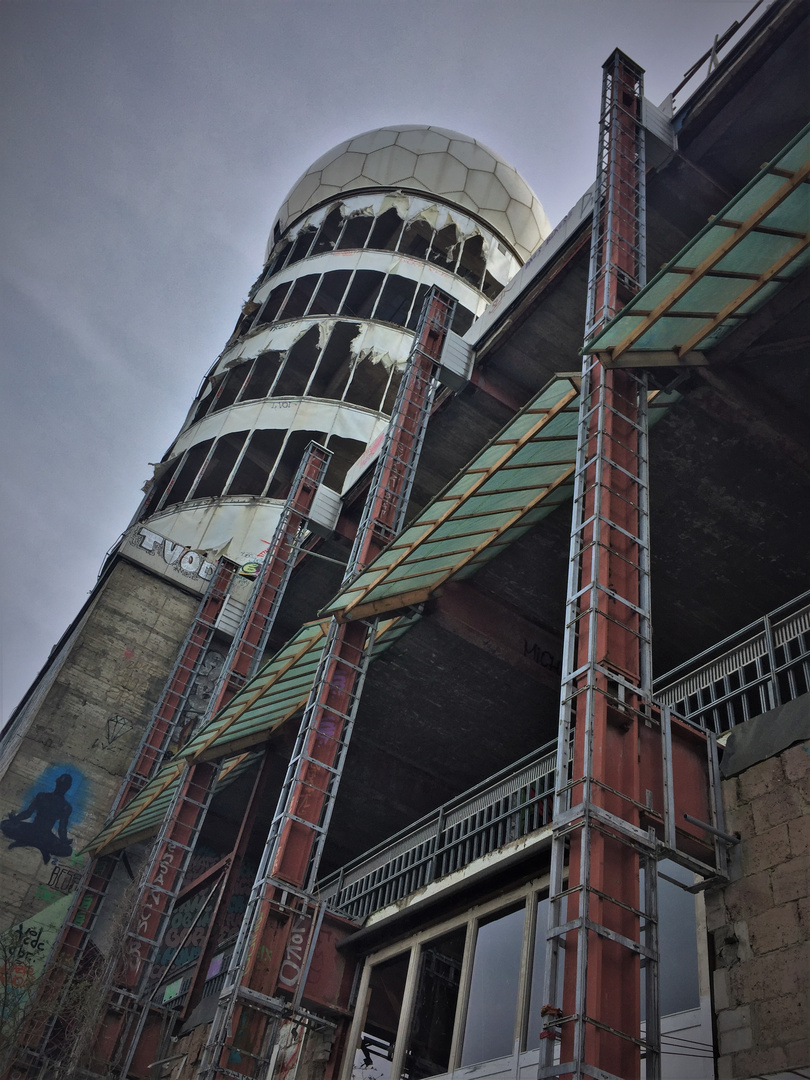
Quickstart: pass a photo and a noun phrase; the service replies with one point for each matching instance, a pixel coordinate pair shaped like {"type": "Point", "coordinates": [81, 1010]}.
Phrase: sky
{"type": "Point", "coordinates": [147, 145]}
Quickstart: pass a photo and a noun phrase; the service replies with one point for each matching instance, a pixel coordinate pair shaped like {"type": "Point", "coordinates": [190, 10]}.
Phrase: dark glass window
{"type": "Point", "coordinates": [362, 294]}
{"type": "Point", "coordinates": [330, 231]}
{"type": "Point", "coordinates": [330, 292]}
{"type": "Point", "coordinates": [300, 296]}
{"type": "Point", "coordinates": [265, 369]}
{"type": "Point", "coordinates": [302, 245]}
{"type": "Point", "coordinates": [492, 1005]}
{"type": "Point", "coordinates": [161, 483]}
{"type": "Point", "coordinates": [207, 397]}
{"type": "Point", "coordinates": [345, 452]}
{"type": "Point", "coordinates": [277, 260]}
{"type": "Point", "coordinates": [387, 985]}
{"type": "Point", "coordinates": [290, 459]}
{"type": "Point", "coordinates": [386, 231]}
{"type": "Point", "coordinates": [335, 362]}
{"type": "Point", "coordinates": [257, 462]}
{"type": "Point", "coordinates": [416, 239]}
{"type": "Point", "coordinates": [418, 304]}
{"type": "Point", "coordinates": [218, 468]}
{"type": "Point", "coordinates": [445, 247]}
{"type": "Point", "coordinates": [272, 304]}
{"type": "Point", "coordinates": [298, 367]}
{"type": "Point", "coordinates": [395, 300]}
{"type": "Point", "coordinates": [234, 381]}
{"type": "Point", "coordinates": [188, 472]}
{"type": "Point", "coordinates": [369, 380]}
{"type": "Point", "coordinates": [355, 232]}
{"type": "Point", "coordinates": [471, 265]}
{"type": "Point", "coordinates": [431, 1033]}
{"type": "Point", "coordinates": [462, 320]}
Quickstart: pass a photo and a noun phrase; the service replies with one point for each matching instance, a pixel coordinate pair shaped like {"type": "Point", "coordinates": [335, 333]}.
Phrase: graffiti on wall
{"type": "Point", "coordinates": [24, 948]}
{"type": "Point", "coordinates": [49, 809]}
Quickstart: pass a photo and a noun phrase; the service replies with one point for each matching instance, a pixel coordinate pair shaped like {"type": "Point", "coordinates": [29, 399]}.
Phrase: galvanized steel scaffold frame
{"type": "Point", "coordinates": [249, 1010]}
{"type": "Point", "coordinates": [164, 873]}
{"type": "Point", "coordinates": [597, 921]}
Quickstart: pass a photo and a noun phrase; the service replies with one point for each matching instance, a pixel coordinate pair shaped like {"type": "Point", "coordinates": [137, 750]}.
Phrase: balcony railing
{"type": "Point", "coordinates": [503, 808]}
{"type": "Point", "coordinates": [761, 666]}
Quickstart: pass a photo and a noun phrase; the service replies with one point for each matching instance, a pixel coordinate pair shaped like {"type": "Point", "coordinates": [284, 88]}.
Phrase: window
{"type": "Point", "coordinates": [272, 304]}
{"type": "Point", "coordinates": [300, 296]}
{"type": "Point", "coordinates": [301, 247]}
{"type": "Point", "coordinates": [298, 367]}
{"type": "Point", "coordinates": [257, 462]}
{"type": "Point", "coordinates": [355, 232]}
{"type": "Point", "coordinates": [456, 996]}
{"type": "Point", "coordinates": [265, 369]}
{"type": "Point", "coordinates": [434, 1012]}
{"type": "Point", "coordinates": [492, 1004]}
{"type": "Point", "coordinates": [330, 292]}
{"type": "Point", "coordinates": [330, 231]}
{"type": "Point", "coordinates": [363, 293]}
{"type": "Point", "coordinates": [187, 473]}
{"type": "Point", "coordinates": [219, 465]}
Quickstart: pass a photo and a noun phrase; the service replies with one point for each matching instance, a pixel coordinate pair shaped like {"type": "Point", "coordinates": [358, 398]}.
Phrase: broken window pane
{"type": "Point", "coordinates": [471, 265]}
{"type": "Point", "coordinates": [290, 460]}
{"type": "Point", "coordinates": [369, 382]}
{"type": "Point", "coordinates": [272, 304]}
{"type": "Point", "coordinates": [330, 231]}
{"type": "Point", "coordinates": [300, 361]}
{"type": "Point", "coordinates": [162, 481]}
{"type": "Point", "coordinates": [416, 239]}
{"type": "Point", "coordinates": [492, 287]}
{"type": "Point", "coordinates": [386, 231]}
{"type": "Point", "coordinates": [386, 986]}
{"type": "Point", "coordinates": [188, 472]}
{"type": "Point", "coordinates": [395, 300]}
{"type": "Point", "coordinates": [207, 398]}
{"type": "Point", "coordinates": [265, 369]}
{"type": "Point", "coordinates": [234, 381]}
{"type": "Point", "coordinates": [218, 468]}
{"type": "Point", "coordinates": [345, 452]}
{"type": "Point", "coordinates": [462, 320]}
{"type": "Point", "coordinates": [363, 292]}
{"type": "Point", "coordinates": [330, 292]}
{"type": "Point", "coordinates": [492, 1006]}
{"type": "Point", "coordinates": [431, 1033]}
{"type": "Point", "coordinates": [355, 232]}
{"type": "Point", "coordinates": [445, 247]}
{"type": "Point", "coordinates": [257, 462]}
{"type": "Point", "coordinates": [277, 260]}
{"type": "Point", "coordinates": [300, 296]}
{"type": "Point", "coordinates": [334, 365]}
{"type": "Point", "coordinates": [418, 304]}
{"type": "Point", "coordinates": [302, 245]}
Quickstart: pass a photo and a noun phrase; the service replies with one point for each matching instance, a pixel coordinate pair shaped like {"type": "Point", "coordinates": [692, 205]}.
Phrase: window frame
{"type": "Point", "coordinates": [529, 896]}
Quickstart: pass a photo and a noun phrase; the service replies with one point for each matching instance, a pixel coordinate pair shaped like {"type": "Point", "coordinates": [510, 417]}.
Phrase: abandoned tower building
{"type": "Point", "coordinates": [444, 710]}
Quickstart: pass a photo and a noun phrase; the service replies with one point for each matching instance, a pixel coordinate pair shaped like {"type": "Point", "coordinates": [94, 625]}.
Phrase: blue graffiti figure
{"type": "Point", "coordinates": [47, 809]}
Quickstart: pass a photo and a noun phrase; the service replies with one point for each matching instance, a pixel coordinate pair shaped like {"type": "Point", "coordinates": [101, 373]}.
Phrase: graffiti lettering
{"type": "Point", "coordinates": [294, 953]}
{"type": "Point", "coordinates": [542, 657]}
{"type": "Point", "coordinates": [183, 559]}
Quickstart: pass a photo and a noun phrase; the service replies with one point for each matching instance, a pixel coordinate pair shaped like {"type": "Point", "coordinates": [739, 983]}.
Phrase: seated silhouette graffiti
{"type": "Point", "coordinates": [47, 809]}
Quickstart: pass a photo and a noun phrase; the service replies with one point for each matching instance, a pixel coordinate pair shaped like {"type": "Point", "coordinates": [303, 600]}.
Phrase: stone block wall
{"type": "Point", "coordinates": [759, 924]}
{"type": "Point", "coordinates": [85, 724]}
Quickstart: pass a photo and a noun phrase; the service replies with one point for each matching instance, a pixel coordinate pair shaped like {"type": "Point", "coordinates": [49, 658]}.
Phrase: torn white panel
{"type": "Point", "coordinates": [399, 202]}
{"type": "Point", "coordinates": [501, 264]}
{"type": "Point", "coordinates": [313, 221]}
{"type": "Point", "coordinates": [293, 413]}
{"type": "Point", "coordinates": [381, 344]}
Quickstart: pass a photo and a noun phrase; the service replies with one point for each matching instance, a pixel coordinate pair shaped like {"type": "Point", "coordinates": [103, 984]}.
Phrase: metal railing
{"type": "Point", "coordinates": [761, 666]}
{"type": "Point", "coordinates": [505, 807]}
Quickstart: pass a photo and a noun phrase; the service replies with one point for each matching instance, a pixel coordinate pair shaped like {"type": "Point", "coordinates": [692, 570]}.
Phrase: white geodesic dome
{"type": "Point", "coordinates": [433, 160]}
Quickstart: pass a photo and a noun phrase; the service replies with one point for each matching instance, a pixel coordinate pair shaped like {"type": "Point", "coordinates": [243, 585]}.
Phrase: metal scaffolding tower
{"type": "Point", "coordinates": [164, 874]}
{"type": "Point", "coordinates": [256, 996]}
{"type": "Point", "coordinates": [598, 921]}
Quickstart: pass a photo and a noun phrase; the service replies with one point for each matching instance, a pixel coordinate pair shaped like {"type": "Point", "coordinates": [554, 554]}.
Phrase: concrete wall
{"type": "Point", "coordinates": [760, 922]}
{"type": "Point", "coordinates": [86, 726]}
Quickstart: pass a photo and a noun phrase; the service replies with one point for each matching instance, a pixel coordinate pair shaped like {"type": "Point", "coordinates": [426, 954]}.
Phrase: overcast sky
{"type": "Point", "coordinates": [147, 145]}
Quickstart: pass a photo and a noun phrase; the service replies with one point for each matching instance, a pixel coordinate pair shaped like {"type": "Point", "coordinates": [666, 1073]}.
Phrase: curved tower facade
{"type": "Point", "coordinates": [316, 352]}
